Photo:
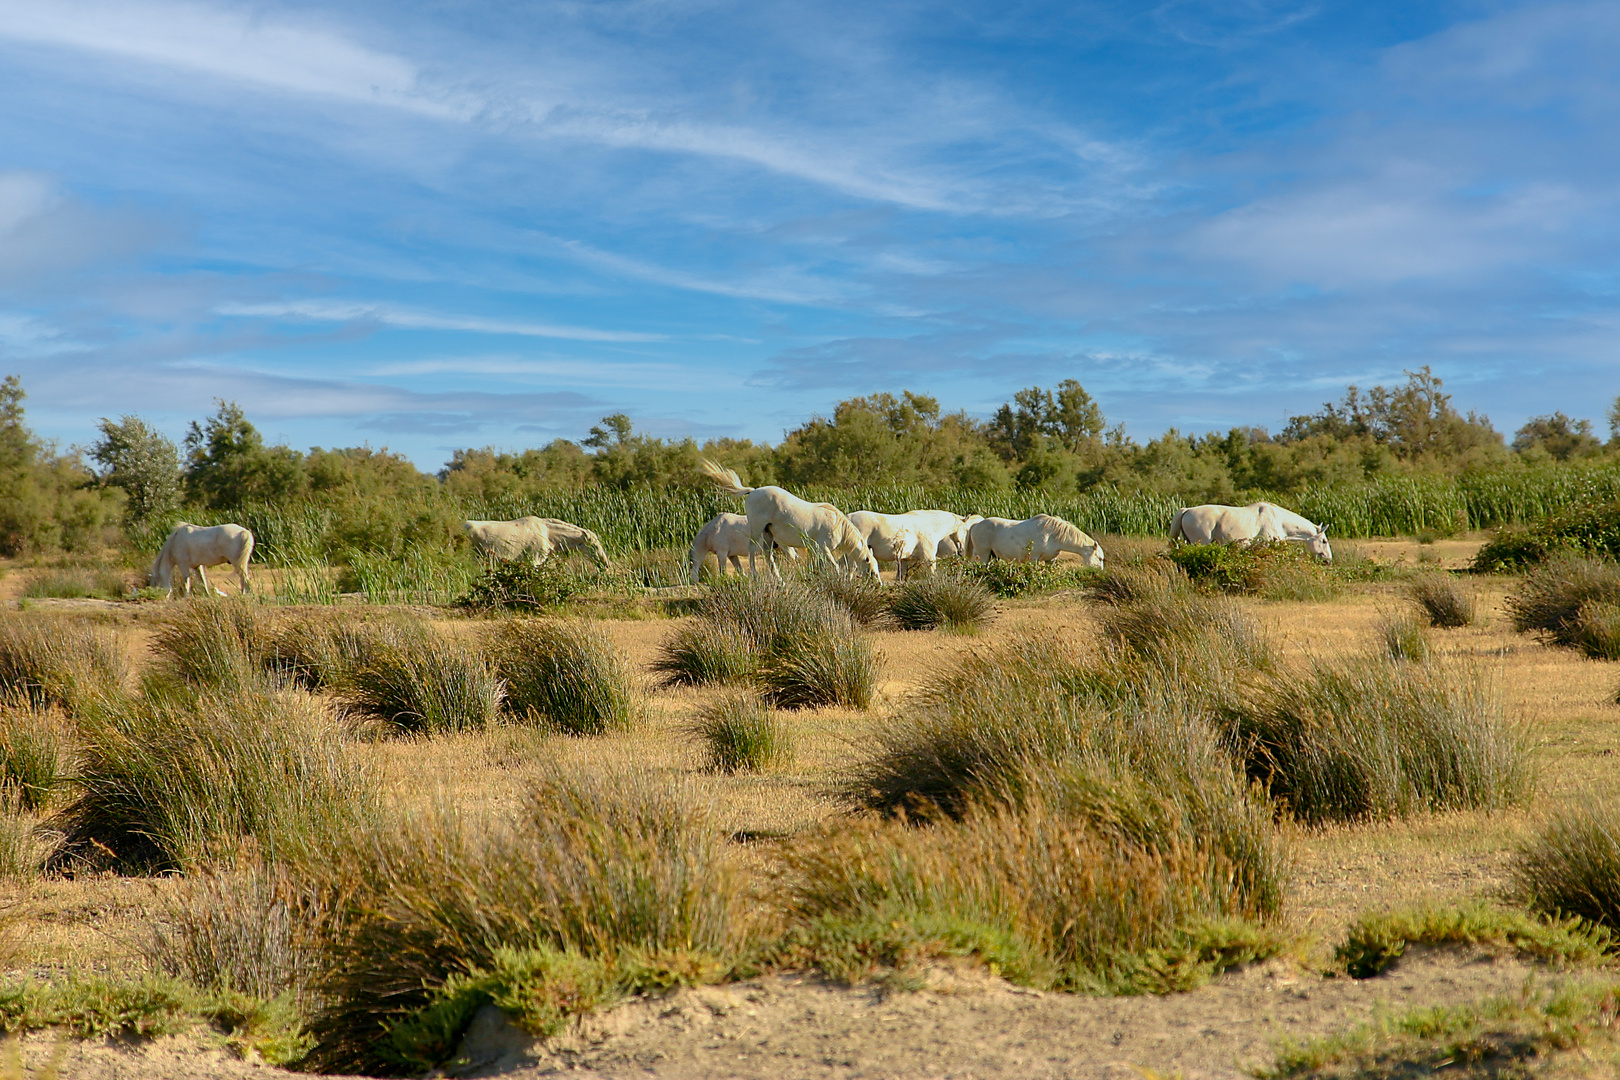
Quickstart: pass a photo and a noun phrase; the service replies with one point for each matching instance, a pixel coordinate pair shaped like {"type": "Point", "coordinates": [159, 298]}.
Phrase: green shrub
{"type": "Point", "coordinates": [1442, 601]}
{"type": "Point", "coordinates": [1376, 940]}
{"type": "Point", "coordinates": [1572, 867]}
{"type": "Point", "coordinates": [942, 600]}
{"type": "Point", "coordinates": [187, 780]}
{"type": "Point", "coordinates": [1013, 579]}
{"type": "Point", "coordinates": [1360, 739]}
{"type": "Point", "coordinates": [1404, 639]}
{"type": "Point", "coordinates": [523, 585]}
{"type": "Point", "coordinates": [739, 733]}
{"type": "Point", "coordinates": [1552, 598]}
{"type": "Point", "coordinates": [36, 756]}
{"type": "Point", "coordinates": [419, 681]}
{"type": "Point", "coordinates": [592, 888]}
{"type": "Point", "coordinates": [1276, 570]}
{"type": "Point", "coordinates": [1592, 529]}
{"type": "Point", "coordinates": [563, 676]}
{"type": "Point", "coordinates": [57, 661]}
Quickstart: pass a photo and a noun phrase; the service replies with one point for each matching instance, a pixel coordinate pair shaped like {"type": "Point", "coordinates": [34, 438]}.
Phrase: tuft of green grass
{"type": "Point", "coordinates": [564, 676]}
{"type": "Point", "coordinates": [76, 583]}
{"type": "Point", "coordinates": [36, 755]}
{"type": "Point", "coordinates": [866, 601]}
{"type": "Point", "coordinates": [419, 681]}
{"type": "Point", "coordinates": [622, 880]}
{"type": "Point", "coordinates": [1572, 866]}
{"type": "Point", "coordinates": [1367, 739]}
{"type": "Point", "coordinates": [942, 600]}
{"type": "Point", "coordinates": [739, 733]}
{"type": "Point", "coordinates": [1442, 600]}
{"type": "Point", "coordinates": [1403, 638]}
{"type": "Point", "coordinates": [52, 661]}
{"type": "Point", "coordinates": [703, 651]}
{"type": "Point", "coordinates": [831, 666]}
{"type": "Point", "coordinates": [1553, 597]}
{"type": "Point", "coordinates": [186, 780]}
{"type": "Point", "coordinates": [523, 586]}
{"type": "Point", "coordinates": [1275, 570]}
{"type": "Point", "coordinates": [1376, 940]}
{"type": "Point", "coordinates": [22, 851]}
{"type": "Point", "coordinates": [1542, 1033]}
{"type": "Point", "coordinates": [218, 642]}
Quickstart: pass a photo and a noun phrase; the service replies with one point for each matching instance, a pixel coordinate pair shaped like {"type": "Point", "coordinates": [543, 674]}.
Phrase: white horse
{"type": "Point", "coordinates": [903, 539]}
{"type": "Point", "coordinates": [777, 517]}
{"type": "Point", "coordinates": [957, 543]}
{"type": "Point", "coordinates": [191, 547]}
{"type": "Point", "coordinates": [1216, 524]}
{"type": "Point", "coordinates": [726, 538]}
{"type": "Point", "coordinates": [1039, 538]}
{"type": "Point", "coordinates": [532, 537]}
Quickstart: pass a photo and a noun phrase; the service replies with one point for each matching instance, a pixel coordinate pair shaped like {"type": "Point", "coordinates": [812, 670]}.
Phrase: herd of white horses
{"type": "Point", "coordinates": [774, 519]}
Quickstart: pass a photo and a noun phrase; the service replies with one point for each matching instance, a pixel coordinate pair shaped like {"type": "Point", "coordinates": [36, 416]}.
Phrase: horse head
{"type": "Point", "coordinates": [1317, 542]}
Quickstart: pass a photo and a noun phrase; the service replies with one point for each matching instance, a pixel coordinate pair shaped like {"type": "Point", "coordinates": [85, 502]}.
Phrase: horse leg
{"type": "Point", "coordinates": [241, 572]}
{"type": "Point", "coordinates": [202, 576]}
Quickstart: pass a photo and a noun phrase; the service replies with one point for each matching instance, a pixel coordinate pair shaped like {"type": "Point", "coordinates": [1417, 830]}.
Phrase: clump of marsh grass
{"type": "Point", "coordinates": [1376, 940]}
{"type": "Point", "coordinates": [1553, 597]}
{"type": "Point", "coordinates": [22, 850]}
{"type": "Point", "coordinates": [183, 780]}
{"type": "Point", "coordinates": [215, 642]}
{"type": "Point", "coordinates": [1442, 601]}
{"type": "Point", "coordinates": [942, 600]}
{"type": "Point", "coordinates": [1367, 739]}
{"type": "Point", "coordinates": [563, 676]}
{"type": "Point", "coordinates": [418, 681]}
{"type": "Point", "coordinates": [74, 583]}
{"type": "Point", "coordinates": [798, 648]}
{"type": "Point", "coordinates": [36, 755]}
{"type": "Point", "coordinates": [591, 889]}
{"type": "Point", "coordinates": [739, 733]}
{"type": "Point", "coordinates": [1597, 630]}
{"type": "Point", "coordinates": [1403, 638]}
{"type": "Point", "coordinates": [865, 600]}
{"type": "Point", "coordinates": [58, 661]}
{"type": "Point", "coordinates": [1167, 619]}
{"type": "Point", "coordinates": [321, 651]}
{"type": "Point", "coordinates": [1572, 867]}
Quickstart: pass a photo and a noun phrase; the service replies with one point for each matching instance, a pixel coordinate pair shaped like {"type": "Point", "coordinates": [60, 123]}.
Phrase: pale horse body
{"type": "Point", "coordinates": [726, 538]}
{"type": "Point", "coordinates": [1216, 524]}
{"type": "Point", "coordinates": [534, 538]}
{"type": "Point", "coordinates": [917, 536]}
{"type": "Point", "coordinates": [191, 547]}
{"type": "Point", "coordinates": [779, 518]}
{"type": "Point", "coordinates": [1037, 539]}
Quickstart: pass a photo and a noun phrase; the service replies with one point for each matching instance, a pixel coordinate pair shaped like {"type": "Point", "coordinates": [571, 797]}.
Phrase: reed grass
{"type": "Point", "coordinates": [53, 661]}
{"type": "Point", "coordinates": [420, 682]}
{"type": "Point", "coordinates": [1442, 601]}
{"type": "Point", "coordinates": [37, 752]}
{"type": "Point", "coordinates": [565, 676]}
{"type": "Point", "coordinates": [216, 642]}
{"type": "Point", "coordinates": [942, 601]}
{"type": "Point", "coordinates": [739, 733]}
{"type": "Point", "coordinates": [1403, 638]}
{"type": "Point", "coordinates": [1552, 599]}
{"type": "Point", "coordinates": [73, 583]}
{"type": "Point", "coordinates": [1572, 866]}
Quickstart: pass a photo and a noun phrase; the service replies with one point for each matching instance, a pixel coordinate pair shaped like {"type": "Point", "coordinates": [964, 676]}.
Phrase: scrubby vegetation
{"type": "Point", "coordinates": [1572, 867]}
{"type": "Point", "coordinates": [1276, 570]}
{"type": "Point", "coordinates": [740, 733]}
{"type": "Point", "coordinates": [942, 600]}
{"type": "Point", "coordinates": [563, 676]}
{"type": "Point", "coordinates": [1442, 601]}
{"type": "Point", "coordinates": [417, 680]}
{"type": "Point", "coordinates": [1569, 600]}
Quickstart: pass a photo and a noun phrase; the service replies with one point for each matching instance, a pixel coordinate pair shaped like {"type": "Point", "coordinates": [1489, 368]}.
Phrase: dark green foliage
{"type": "Point", "coordinates": [1012, 579]}
{"type": "Point", "coordinates": [1442, 600]}
{"type": "Point", "coordinates": [564, 676]}
{"type": "Point", "coordinates": [1277, 570]}
{"type": "Point", "coordinates": [521, 584]}
{"type": "Point", "coordinates": [1572, 868]}
{"type": "Point", "coordinates": [942, 600]}
{"type": "Point", "coordinates": [1555, 599]}
{"type": "Point", "coordinates": [1511, 550]}
{"type": "Point", "coordinates": [1592, 529]}
{"type": "Point", "coordinates": [141, 460]}
{"type": "Point", "coordinates": [739, 733]}
{"type": "Point", "coordinates": [421, 682]}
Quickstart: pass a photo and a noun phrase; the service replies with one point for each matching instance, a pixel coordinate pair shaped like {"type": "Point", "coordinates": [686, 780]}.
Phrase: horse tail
{"type": "Point", "coordinates": [725, 479]}
{"type": "Point", "coordinates": [1176, 531]}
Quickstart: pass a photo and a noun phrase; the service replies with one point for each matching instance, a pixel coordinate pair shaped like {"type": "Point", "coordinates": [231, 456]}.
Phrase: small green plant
{"type": "Point", "coordinates": [1427, 536]}
{"type": "Point", "coordinates": [953, 603]}
{"type": "Point", "coordinates": [866, 601]}
{"type": "Point", "coordinates": [215, 642]}
{"type": "Point", "coordinates": [739, 733]}
{"type": "Point", "coordinates": [564, 676]}
{"type": "Point", "coordinates": [1442, 601]}
{"type": "Point", "coordinates": [1376, 940]}
{"type": "Point", "coordinates": [1014, 579]}
{"type": "Point", "coordinates": [1404, 638]}
{"type": "Point", "coordinates": [1591, 529]}
{"type": "Point", "coordinates": [703, 651]}
{"type": "Point", "coordinates": [422, 682]}
{"type": "Point", "coordinates": [1275, 570]}
{"type": "Point", "coordinates": [830, 667]}
{"type": "Point", "coordinates": [1572, 867]}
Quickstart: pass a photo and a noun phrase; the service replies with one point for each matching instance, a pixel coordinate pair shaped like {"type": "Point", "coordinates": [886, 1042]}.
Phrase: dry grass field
{"type": "Point", "coordinates": [963, 1021]}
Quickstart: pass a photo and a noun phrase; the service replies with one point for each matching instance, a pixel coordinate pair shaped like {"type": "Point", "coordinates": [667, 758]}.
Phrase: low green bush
{"type": "Point", "coordinates": [1592, 529]}
{"type": "Point", "coordinates": [1276, 570]}
{"type": "Point", "coordinates": [522, 585]}
{"type": "Point", "coordinates": [37, 752]}
{"type": "Point", "coordinates": [1565, 600]}
{"type": "Point", "coordinates": [1376, 940]}
{"type": "Point", "coordinates": [942, 600]}
{"type": "Point", "coordinates": [1008, 579]}
{"type": "Point", "coordinates": [73, 583]}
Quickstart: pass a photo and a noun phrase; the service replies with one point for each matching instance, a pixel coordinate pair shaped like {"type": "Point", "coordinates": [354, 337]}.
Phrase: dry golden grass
{"type": "Point", "coordinates": [92, 923]}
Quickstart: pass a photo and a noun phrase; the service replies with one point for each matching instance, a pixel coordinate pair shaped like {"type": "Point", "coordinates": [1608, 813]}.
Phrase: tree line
{"type": "Point", "coordinates": [133, 479]}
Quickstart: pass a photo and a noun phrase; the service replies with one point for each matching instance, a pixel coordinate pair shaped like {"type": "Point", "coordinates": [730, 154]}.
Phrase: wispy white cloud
{"type": "Point", "coordinates": [564, 370]}
{"type": "Point", "coordinates": [410, 319]}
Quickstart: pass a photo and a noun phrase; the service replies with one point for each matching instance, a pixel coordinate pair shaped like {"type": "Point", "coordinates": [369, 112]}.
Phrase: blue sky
{"type": "Point", "coordinates": [433, 225]}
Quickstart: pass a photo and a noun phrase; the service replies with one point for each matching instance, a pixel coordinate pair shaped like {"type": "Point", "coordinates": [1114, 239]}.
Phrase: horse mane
{"type": "Point", "coordinates": [1067, 531]}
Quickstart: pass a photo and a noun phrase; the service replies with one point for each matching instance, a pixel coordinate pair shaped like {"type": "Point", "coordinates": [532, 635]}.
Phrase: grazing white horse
{"type": "Point", "coordinates": [192, 547]}
{"type": "Point", "coordinates": [777, 517]}
{"type": "Point", "coordinates": [957, 543]}
{"type": "Point", "coordinates": [915, 536]}
{"type": "Point", "coordinates": [1039, 538]}
{"type": "Point", "coordinates": [726, 538]}
{"type": "Point", "coordinates": [532, 537]}
{"type": "Point", "coordinates": [1216, 524]}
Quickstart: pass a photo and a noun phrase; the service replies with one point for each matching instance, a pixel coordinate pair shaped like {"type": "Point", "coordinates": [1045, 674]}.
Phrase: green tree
{"type": "Point", "coordinates": [1556, 436]}
{"type": "Point", "coordinates": [144, 463]}
{"type": "Point", "coordinates": [228, 463]}
{"type": "Point", "coordinates": [1416, 422]}
{"type": "Point", "coordinates": [48, 501]}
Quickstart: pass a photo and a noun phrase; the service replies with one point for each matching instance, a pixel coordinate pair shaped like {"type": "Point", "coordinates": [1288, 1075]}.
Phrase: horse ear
{"type": "Point", "coordinates": [1323, 530]}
